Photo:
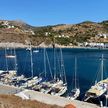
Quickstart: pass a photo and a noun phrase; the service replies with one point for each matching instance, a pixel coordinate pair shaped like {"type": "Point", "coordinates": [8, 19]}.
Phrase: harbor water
{"type": "Point", "coordinates": [88, 64]}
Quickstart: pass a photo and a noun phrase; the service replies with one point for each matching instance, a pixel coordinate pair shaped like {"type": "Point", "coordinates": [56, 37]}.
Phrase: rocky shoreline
{"type": "Point", "coordinates": [21, 45]}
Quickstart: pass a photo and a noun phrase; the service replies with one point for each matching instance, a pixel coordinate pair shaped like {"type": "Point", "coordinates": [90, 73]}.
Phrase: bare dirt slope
{"type": "Point", "coordinates": [11, 101]}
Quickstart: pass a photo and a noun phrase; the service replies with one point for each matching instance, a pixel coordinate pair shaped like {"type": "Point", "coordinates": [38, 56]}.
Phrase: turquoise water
{"type": "Point", "coordinates": [88, 64]}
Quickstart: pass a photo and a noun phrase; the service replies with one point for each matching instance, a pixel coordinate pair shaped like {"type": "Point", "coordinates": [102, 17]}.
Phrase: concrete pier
{"type": "Point", "coordinates": [53, 100]}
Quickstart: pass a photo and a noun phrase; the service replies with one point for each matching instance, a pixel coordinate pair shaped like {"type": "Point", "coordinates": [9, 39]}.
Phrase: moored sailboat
{"type": "Point", "coordinates": [32, 80]}
{"type": "Point", "coordinates": [60, 84]}
{"type": "Point", "coordinates": [10, 76]}
{"type": "Point", "coordinates": [99, 88]}
{"type": "Point", "coordinates": [76, 91]}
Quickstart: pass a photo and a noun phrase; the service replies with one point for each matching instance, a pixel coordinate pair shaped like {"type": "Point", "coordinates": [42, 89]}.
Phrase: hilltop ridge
{"type": "Point", "coordinates": [64, 34]}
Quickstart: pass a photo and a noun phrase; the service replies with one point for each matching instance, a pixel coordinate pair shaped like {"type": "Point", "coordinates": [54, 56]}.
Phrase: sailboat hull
{"type": "Point", "coordinates": [59, 92]}
{"type": "Point", "coordinates": [74, 94]}
{"type": "Point", "coordinates": [97, 90]}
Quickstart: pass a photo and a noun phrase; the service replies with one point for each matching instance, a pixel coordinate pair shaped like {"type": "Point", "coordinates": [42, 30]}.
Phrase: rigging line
{"type": "Point", "coordinates": [58, 62]}
{"type": "Point", "coordinates": [96, 77]}
{"type": "Point", "coordinates": [102, 67]}
{"type": "Point", "coordinates": [31, 60]}
{"type": "Point", "coordinates": [49, 65]}
{"type": "Point", "coordinates": [63, 67]}
{"type": "Point", "coordinates": [25, 61]}
{"type": "Point", "coordinates": [7, 69]}
{"type": "Point", "coordinates": [16, 68]}
{"type": "Point", "coordinates": [55, 76]}
{"type": "Point", "coordinates": [75, 70]}
{"type": "Point", "coordinates": [106, 74]}
{"type": "Point", "coordinates": [45, 61]}
{"type": "Point", "coordinates": [76, 75]}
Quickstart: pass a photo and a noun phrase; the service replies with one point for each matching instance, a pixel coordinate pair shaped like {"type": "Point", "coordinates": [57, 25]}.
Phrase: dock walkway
{"type": "Point", "coordinates": [53, 100]}
{"type": "Point", "coordinates": [44, 98]}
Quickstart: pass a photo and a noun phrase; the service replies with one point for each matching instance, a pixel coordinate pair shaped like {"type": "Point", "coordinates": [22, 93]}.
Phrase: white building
{"type": "Point", "coordinates": [5, 23]}
{"type": "Point", "coordinates": [62, 36]}
{"type": "Point", "coordinates": [94, 44]}
{"type": "Point", "coordinates": [102, 35]}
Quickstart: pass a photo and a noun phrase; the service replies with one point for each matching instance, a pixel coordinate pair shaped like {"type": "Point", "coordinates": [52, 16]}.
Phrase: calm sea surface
{"type": "Point", "coordinates": [88, 64]}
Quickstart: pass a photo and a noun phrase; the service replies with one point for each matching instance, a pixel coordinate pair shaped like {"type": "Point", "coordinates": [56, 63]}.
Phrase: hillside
{"type": "Point", "coordinates": [11, 101]}
{"type": "Point", "coordinates": [63, 34]}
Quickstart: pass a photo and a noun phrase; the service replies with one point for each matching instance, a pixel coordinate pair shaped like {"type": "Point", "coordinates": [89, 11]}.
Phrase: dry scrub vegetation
{"type": "Point", "coordinates": [11, 101]}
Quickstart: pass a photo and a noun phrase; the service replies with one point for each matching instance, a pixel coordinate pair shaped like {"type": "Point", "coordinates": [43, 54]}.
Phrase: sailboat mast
{"type": "Point", "coordinates": [31, 60]}
{"type": "Point", "coordinates": [15, 60]}
{"type": "Point", "coordinates": [6, 59]}
{"type": "Point", "coordinates": [75, 71]}
{"type": "Point", "coordinates": [102, 62]}
{"type": "Point", "coordinates": [62, 67]}
{"type": "Point", "coordinates": [54, 60]}
{"type": "Point", "coordinates": [45, 61]}
{"type": "Point", "coordinates": [49, 65]}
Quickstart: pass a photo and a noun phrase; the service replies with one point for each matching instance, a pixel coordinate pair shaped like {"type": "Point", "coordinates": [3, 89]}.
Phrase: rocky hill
{"type": "Point", "coordinates": [63, 34]}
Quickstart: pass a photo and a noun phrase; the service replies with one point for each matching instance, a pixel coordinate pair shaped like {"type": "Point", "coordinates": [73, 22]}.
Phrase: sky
{"type": "Point", "coordinates": [52, 12]}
